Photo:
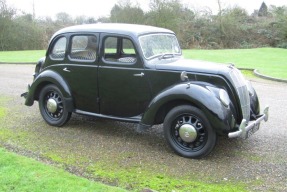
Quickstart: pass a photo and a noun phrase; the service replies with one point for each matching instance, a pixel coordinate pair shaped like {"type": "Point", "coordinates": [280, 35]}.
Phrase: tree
{"type": "Point", "coordinates": [263, 11]}
{"type": "Point", "coordinates": [6, 23]}
{"type": "Point", "coordinates": [165, 13]}
{"type": "Point", "coordinates": [27, 34]}
{"type": "Point", "coordinates": [126, 12]}
{"type": "Point", "coordinates": [5, 11]}
{"type": "Point", "coordinates": [64, 19]}
{"type": "Point", "coordinates": [234, 22]}
{"type": "Point", "coordinates": [104, 20]}
{"type": "Point", "coordinates": [280, 24]}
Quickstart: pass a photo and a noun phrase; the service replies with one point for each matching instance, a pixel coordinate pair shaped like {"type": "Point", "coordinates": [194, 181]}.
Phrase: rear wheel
{"type": "Point", "coordinates": [188, 132]}
{"type": "Point", "coordinates": [53, 107]}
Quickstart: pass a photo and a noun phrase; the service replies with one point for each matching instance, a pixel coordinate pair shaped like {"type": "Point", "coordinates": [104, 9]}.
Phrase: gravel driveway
{"type": "Point", "coordinates": [260, 161]}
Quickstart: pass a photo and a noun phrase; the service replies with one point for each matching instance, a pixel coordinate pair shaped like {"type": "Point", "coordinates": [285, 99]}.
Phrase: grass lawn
{"type": "Point", "coordinates": [21, 56]}
{"type": "Point", "coordinates": [269, 61]}
{"type": "Point", "coordinates": [18, 173]}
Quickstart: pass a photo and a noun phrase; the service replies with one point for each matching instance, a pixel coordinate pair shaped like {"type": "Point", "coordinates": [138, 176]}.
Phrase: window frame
{"type": "Point", "coordinates": [119, 50]}
{"type": "Point", "coordinates": [69, 52]}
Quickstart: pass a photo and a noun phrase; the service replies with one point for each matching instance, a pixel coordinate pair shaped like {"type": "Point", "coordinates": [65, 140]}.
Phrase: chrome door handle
{"type": "Point", "coordinates": [66, 69]}
{"type": "Point", "coordinates": [139, 75]}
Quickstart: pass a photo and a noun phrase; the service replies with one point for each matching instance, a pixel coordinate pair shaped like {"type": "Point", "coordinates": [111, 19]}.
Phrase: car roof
{"type": "Point", "coordinates": [116, 28]}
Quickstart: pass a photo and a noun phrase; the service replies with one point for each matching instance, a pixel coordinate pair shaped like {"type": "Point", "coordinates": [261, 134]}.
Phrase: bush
{"type": "Point", "coordinates": [282, 45]}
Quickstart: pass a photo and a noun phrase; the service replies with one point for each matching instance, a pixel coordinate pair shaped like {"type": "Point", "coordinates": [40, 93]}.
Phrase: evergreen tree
{"type": "Point", "coordinates": [263, 11]}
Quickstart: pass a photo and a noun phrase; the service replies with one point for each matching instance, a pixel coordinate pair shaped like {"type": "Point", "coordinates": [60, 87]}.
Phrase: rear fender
{"type": "Point", "coordinates": [45, 78]}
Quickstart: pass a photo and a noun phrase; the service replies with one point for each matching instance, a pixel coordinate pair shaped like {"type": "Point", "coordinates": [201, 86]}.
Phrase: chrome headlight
{"type": "Point", "coordinates": [250, 88]}
{"type": "Point", "coordinates": [224, 98]}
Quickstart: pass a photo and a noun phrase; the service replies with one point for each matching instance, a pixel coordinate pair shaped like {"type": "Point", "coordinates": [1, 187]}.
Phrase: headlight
{"type": "Point", "coordinates": [250, 88]}
{"type": "Point", "coordinates": [224, 98]}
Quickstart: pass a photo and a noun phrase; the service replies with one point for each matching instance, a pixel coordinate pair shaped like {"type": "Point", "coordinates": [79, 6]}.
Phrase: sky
{"type": "Point", "coordinates": [96, 9]}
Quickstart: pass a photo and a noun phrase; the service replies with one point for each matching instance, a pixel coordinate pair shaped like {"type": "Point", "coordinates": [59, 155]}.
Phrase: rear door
{"type": "Point", "coordinates": [79, 68]}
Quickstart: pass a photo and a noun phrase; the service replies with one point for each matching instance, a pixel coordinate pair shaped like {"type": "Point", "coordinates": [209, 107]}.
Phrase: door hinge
{"type": "Point", "coordinates": [98, 100]}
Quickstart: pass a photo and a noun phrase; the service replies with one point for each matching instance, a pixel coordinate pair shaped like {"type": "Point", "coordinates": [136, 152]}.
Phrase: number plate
{"type": "Point", "coordinates": [252, 131]}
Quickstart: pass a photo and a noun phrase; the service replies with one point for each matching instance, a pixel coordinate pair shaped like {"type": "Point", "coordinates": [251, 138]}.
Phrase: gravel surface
{"type": "Point", "coordinates": [260, 161]}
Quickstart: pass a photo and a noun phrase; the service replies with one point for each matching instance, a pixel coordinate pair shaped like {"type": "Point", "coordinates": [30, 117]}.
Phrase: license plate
{"type": "Point", "coordinates": [252, 131]}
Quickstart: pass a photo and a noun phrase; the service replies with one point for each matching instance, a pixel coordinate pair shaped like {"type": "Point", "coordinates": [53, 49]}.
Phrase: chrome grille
{"type": "Point", "coordinates": [242, 92]}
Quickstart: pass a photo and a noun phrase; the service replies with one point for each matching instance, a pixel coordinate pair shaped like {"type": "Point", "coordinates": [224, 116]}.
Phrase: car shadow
{"type": "Point", "coordinates": [152, 139]}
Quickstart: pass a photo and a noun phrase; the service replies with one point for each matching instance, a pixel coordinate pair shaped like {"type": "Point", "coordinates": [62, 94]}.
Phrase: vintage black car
{"type": "Point", "coordinates": [137, 74]}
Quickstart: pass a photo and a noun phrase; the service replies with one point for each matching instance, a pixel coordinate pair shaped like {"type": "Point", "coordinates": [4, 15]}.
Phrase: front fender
{"type": "Point", "coordinates": [201, 95]}
{"type": "Point", "coordinates": [43, 79]}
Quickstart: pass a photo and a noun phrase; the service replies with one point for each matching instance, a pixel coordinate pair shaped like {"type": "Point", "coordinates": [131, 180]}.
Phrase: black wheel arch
{"type": "Point", "coordinates": [197, 95]}
{"type": "Point", "coordinates": [165, 108]}
{"type": "Point", "coordinates": [47, 78]}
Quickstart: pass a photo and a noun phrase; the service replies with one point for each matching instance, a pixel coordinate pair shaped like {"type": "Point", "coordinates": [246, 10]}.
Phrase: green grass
{"type": "Point", "coordinates": [3, 109]}
{"type": "Point", "coordinates": [138, 178]}
{"type": "Point", "coordinates": [269, 61]}
{"type": "Point", "coordinates": [19, 173]}
{"type": "Point", "coordinates": [21, 56]}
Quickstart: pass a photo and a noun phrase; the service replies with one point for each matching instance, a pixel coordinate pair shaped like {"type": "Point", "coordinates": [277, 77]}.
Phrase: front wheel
{"type": "Point", "coordinates": [188, 132]}
{"type": "Point", "coordinates": [52, 106]}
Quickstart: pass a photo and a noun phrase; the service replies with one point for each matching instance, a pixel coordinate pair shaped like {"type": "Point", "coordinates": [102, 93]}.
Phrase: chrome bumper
{"type": "Point", "coordinates": [245, 130]}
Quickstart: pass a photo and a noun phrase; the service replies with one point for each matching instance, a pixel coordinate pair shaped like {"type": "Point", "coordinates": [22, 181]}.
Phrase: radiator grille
{"type": "Point", "coordinates": [242, 92]}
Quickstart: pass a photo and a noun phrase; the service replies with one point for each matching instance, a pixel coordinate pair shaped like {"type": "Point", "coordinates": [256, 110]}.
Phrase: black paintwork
{"type": "Point", "coordinates": [111, 90]}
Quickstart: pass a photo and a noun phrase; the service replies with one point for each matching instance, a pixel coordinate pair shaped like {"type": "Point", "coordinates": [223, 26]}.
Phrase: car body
{"type": "Point", "coordinates": [136, 73]}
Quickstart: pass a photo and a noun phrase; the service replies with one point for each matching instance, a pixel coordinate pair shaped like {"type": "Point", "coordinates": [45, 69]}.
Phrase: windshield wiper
{"type": "Point", "coordinates": [166, 56]}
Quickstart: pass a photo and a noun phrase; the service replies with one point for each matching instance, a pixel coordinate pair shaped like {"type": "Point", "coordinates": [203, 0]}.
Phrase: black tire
{"type": "Point", "coordinates": [199, 137]}
{"type": "Point", "coordinates": [58, 115]}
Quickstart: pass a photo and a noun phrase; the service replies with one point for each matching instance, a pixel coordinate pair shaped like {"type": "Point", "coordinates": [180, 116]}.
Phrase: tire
{"type": "Point", "coordinates": [53, 107]}
{"type": "Point", "coordinates": [188, 132]}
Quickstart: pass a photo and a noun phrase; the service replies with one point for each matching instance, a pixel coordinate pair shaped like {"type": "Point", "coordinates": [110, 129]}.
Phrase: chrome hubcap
{"type": "Point", "coordinates": [187, 133]}
{"type": "Point", "coordinates": [52, 105]}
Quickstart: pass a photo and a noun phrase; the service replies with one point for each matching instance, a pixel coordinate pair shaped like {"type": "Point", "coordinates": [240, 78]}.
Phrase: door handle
{"type": "Point", "coordinates": [139, 75]}
{"type": "Point", "coordinates": [66, 69]}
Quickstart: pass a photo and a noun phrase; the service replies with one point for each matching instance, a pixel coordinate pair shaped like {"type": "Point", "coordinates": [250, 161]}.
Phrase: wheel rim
{"type": "Point", "coordinates": [189, 133]}
{"type": "Point", "coordinates": [53, 105]}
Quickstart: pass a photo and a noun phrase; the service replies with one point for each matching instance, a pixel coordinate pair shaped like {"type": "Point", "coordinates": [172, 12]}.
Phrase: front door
{"type": "Point", "coordinates": [123, 86]}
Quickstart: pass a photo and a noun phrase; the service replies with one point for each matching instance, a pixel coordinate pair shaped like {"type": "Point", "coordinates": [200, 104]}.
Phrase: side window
{"type": "Point", "coordinates": [84, 48]}
{"type": "Point", "coordinates": [111, 44]}
{"type": "Point", "coordinates": [59, 49]}
{"type": "Point", "coordinates": [128, 47]}
{"type": "Point", "coordinates": [119, 50]}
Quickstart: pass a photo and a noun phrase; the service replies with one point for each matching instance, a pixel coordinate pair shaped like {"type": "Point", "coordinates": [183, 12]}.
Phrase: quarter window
{"type": "Point", "coordinates": [59, 49]}
{"type": "Point", "coordinates": [84, 48]}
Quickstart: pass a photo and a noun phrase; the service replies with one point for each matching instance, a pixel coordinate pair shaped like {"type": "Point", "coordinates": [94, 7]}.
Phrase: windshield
{"type": "Point", "coordinates": [154, 45]}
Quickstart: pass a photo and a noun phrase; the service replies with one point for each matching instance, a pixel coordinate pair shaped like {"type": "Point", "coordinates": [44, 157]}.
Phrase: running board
{"type": "Point", "coordinates": [135, 119]}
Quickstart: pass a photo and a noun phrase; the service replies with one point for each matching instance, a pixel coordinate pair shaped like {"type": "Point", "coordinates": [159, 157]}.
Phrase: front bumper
{"type": "Point", "coordinates": [246, 130]}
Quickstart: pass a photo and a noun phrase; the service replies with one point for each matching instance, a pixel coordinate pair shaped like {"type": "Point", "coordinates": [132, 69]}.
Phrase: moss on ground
{"type": "Point", "coordinates": [136, 178]}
